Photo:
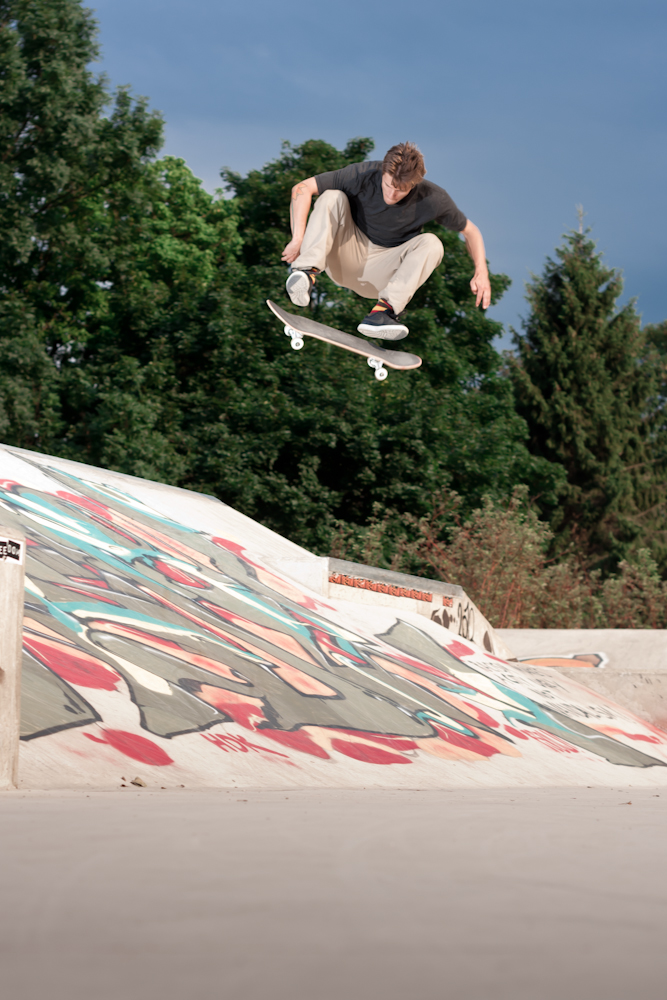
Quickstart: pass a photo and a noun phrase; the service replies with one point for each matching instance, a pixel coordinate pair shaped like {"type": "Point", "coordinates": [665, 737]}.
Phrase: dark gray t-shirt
{"type": "Point", "coordinates": [390, 225]}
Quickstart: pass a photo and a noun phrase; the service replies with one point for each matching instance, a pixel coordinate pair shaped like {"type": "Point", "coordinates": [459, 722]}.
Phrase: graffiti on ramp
{"type": "Point", "coordinates": [140, 631]}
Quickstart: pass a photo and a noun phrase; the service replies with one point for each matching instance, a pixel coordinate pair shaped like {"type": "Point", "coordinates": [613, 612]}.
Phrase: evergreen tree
{"type": "Point", "coordinates": [586, 381]}
{"type": "Point", "coordinates": [656, 336]}
{"type": "Point", "coordinates": [61, 160]}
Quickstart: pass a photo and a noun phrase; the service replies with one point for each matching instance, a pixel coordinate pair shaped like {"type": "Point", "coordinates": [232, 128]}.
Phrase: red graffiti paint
{"type": "Point", "coordinates": [552, 742]}
{"type": "Point", "coordinates": [234, 547]}
{"type": "Point", "coordinates": [630, 736]}
{"type": "Point", "coordinates": [136, 747]}
{"type": "Point", "coordinates": [298, 740]}
{"type": "Point", "coordinates": [515, 732]}
{"type": "Point", "coordinates": [479, 714]}
{"type": "Point", "coordinates": [398, 743]}
{"type": "Point", "coordinates": [96, 597]}
{"type": "Point", "coordinates": [72, 664]}
{"type": "Point", "coordinates": [242, 709]}
{"type": "Point", "coordinates": [238, 744]}
{"type": "Point", "coordinates": [367, 754]}
{"type": "Point", "coordinates": [178, 576]}
{"type": "Point", "coordinates": [465, 742]}
{"type": "Point", "coordinates": [91, 505]}
{"type": "Point", "coordinates": [457, 648]}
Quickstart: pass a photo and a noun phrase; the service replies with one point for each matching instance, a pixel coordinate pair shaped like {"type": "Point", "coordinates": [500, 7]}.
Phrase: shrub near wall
{"type": "Point", "coordinates": [499, 556]}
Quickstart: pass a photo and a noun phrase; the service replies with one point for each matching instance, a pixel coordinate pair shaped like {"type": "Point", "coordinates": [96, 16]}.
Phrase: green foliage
{"type": "Point", "coordinates": [130, 400]}
{"type": "Point", "coordinates": [587, 382]}
{"type": "Point", "coordinates": [134, 335]}
{"type": "Point", "coordinates": [499, 554]}
{"type": "Point", "coordinates": [62, 162]}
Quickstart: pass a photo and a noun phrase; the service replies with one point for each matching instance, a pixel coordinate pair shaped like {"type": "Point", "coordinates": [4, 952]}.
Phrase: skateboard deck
{"type": "Point", "coordinates": [379, 358]}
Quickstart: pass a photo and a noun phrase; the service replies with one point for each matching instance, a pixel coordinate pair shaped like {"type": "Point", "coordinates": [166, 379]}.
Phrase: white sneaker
{"type": "Point", "coordinates": [299, 285]}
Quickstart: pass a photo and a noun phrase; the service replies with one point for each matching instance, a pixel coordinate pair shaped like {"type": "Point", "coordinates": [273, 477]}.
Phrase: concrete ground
{"type": "Point", "coordinates": [526, 893]}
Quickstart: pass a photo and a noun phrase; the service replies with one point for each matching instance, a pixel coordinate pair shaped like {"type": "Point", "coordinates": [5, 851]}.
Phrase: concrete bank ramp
{"type": "Point", "coordinates": [628, 665]}
{"type": "Point", "coordinates": [161, 643]}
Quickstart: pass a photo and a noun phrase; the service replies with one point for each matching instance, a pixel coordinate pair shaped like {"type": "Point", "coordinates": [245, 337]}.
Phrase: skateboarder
{"type": "Point", "coordinates": [366, 233]}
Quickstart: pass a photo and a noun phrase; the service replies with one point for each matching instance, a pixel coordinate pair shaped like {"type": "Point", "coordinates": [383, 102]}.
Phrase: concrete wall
{"type": "Point", "coordinates": [444, 603]}
{"type": "Point", "coordinates": [12, 568]}
{"type": "Point", "coordinates": [631, 667]}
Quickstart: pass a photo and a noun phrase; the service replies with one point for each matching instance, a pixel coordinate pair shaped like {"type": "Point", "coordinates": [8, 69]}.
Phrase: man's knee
{"type": "Point", "coordinates": [331, 209]}
{"type": "Point", "coordinates": [332, 199]}
{"type": "Point", "coordinates": [434, 247]}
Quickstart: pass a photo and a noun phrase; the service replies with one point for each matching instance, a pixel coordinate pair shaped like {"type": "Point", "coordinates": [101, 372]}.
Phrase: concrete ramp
{"type": "Point", "coordinates": [163, 643]}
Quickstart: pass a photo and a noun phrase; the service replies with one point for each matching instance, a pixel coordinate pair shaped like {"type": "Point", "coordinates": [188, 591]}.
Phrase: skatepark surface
{"type": "Point", "coordinates": [167, 638]}
{"type": "Point", "coordinates": [528, 894]}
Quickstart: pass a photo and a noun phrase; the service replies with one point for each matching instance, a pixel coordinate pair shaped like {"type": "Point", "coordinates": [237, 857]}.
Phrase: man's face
{"type": "Point", "coordinates": [390, 193]}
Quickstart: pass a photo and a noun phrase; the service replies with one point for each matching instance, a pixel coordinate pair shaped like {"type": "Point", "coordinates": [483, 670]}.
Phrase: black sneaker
{"type": "Point", "coordinates": [300, 284]}
{"type": "Point", "coordinates": [382, 322]}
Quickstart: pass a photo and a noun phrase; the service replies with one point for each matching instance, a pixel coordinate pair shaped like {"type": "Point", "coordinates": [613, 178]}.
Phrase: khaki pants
{"type": "Point", "coordinates": [334, 244]}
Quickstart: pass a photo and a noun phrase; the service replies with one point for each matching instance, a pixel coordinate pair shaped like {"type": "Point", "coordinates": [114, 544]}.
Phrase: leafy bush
{"type": "Point", "coordinates": [499, 555]}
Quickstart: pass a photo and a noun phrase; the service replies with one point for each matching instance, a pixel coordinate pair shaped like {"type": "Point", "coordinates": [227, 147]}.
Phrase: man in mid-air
{"type": "Point", "coordinates": [366, 233]}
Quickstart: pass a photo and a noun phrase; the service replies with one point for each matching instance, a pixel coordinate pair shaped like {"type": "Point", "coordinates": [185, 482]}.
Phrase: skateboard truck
{"type": "Point", "coordinates": [297, 343]}
{"type": "Point", "coordinates": [380, 371]}
{"type": "Point", "coordinates": [296, 338]}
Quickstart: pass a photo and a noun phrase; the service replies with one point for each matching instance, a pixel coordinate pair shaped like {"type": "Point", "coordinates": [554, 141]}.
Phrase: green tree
{"type": "Point", "coordinates": [130, 400]}
{"type": "Point", "coordinates": [61, 159]}
{"type": "Point", "coordinates": [586, 380]}
{"type": "Point", "coordinates": [134, 332]}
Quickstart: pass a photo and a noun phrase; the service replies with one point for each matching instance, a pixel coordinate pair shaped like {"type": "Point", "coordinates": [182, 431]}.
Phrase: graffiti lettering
{"type": "Point", "coordinates": [11, 550]}
{"type": "Point", "coordinates": [238, 744]}
{"type": "Point", "coordinates": [549, 740]}
{"type": "Point", "coordinates": [466, 620]}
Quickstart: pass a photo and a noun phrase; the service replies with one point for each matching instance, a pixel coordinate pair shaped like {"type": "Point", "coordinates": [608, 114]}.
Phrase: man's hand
{"type": "Point", "coordinates": [481, 287]}
{"type": "Point", "coordinates": [291, 251]}
{"type": "Point", "coordinates": [302, 196]}
{"type": "Point", "coordinates": [480, 283]}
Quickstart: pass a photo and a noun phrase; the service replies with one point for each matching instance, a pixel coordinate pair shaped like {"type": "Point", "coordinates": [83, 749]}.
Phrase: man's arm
{"type": "Point", "coordinates": [302, 196]}
{"type": "Point", "coordinates": [480, 283]}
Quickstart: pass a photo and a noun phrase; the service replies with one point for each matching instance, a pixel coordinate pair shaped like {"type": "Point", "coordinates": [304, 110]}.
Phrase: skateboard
{"type": "Point", "coordinates": [298, 327]}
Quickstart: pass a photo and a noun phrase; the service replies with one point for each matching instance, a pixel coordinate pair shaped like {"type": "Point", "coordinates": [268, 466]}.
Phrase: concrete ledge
{"type": "Point", "coordinates": [447, 604]}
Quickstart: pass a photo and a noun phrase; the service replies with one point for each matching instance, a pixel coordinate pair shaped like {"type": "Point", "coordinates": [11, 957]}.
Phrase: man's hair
{"type": "Point", "coordinates": [405, 165]}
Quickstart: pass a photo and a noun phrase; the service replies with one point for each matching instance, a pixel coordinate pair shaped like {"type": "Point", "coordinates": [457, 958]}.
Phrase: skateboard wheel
{"type": "Point", "coordinates": [297, 343]}
{"type": "Point", "coordinates": [381, 374]}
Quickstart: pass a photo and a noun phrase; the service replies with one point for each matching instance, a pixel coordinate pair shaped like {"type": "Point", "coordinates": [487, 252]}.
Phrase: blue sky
{"type": "Point", "coordinates": [523, 109]}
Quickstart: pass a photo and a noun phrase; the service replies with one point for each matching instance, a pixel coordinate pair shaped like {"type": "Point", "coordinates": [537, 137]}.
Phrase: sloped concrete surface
{"type": "Point", "coordinates": [161, 641]}
{"type": "Point", "coordinates": [632, 672]}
